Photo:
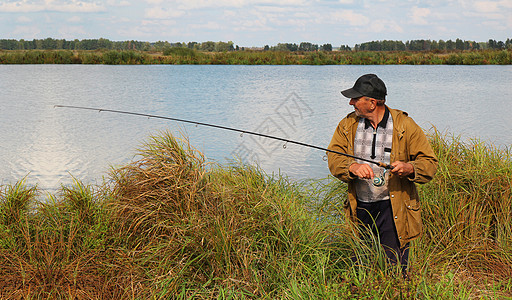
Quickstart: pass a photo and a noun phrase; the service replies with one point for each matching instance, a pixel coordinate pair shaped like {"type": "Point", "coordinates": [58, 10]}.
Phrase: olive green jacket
{"type": "Point", "coordinates": [409, 145]}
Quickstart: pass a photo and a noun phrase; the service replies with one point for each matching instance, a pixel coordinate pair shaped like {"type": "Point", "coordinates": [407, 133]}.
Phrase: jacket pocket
{"type": "Point", "coordinates": [414, 224]}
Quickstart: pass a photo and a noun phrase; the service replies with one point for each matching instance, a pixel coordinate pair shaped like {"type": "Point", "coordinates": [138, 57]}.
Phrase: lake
{"type": "Point", "coordinates": [49, 146]}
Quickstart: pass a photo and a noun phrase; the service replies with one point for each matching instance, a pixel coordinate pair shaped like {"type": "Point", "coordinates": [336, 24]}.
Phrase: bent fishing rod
{"type": "Point", "coordinates": [380, 164]}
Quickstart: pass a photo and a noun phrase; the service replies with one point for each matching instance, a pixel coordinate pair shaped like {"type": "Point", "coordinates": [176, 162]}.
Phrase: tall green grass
{"type": "Point", "coordinates": [468, 209]}
{"type": "Point", "coordinates": [171, 226]}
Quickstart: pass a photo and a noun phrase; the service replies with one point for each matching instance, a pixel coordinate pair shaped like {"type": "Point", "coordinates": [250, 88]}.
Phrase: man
{"type": "Point", "coordinates": [384, 200]}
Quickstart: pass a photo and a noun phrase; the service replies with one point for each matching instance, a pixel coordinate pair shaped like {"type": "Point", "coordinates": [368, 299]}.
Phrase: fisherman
{"type": "Point", "coordinates": [382, 201]}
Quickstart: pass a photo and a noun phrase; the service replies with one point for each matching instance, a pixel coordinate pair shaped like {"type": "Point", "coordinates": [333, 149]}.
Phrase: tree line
{"type": "Point", "coordinates": [431, 45]}
{"type": "Point", "coordinates": [304, 46]}
{"type": "Point", "coordinates": [210, 46]}
{"type": "Point", "coordinates": [105, 44]}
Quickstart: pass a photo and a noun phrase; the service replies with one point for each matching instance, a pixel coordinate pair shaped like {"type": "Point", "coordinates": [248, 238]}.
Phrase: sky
{"type": "Point", "coordinates": [255, 23]}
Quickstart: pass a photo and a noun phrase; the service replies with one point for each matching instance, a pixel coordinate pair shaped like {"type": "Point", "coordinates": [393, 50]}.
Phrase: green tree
{"type": "Point", "coordinates": [285, 47]}
{"type": "Point", "coordinates": [9, 44]}
{"type": "Point", "coordinates": [59, 44]}
{"type": "Point", "coordinates": [492, 44]}
{"type": "Point", "coordinates": [307, 46]}
{"type": "Point", "coordinates": [450, 45]}
{"type": "Point", "coordinates": [459, 44]}
{"type": "Point", "coordinates": [441, 45]}
{"type": "Point", "coordinates": [160, 45]}
{"type": "Point", "coordinates": [208, 46]}
{"type": "Point", "coordinates": [326, 47]}
{"type": "Point", "coordinates": [104, 44]}
{"type": "Point", "coordinates": [345, 48]}
{"type": "Point", "coordinates": [192, 45]}
{"type": "Point", "coordinates": [89, 44]}
{"type": "Point", "coordinates": [224, 47]}
{"type": "Point", "coordinates": [48, 44]}
{"type": "Point", "coordinates": [434, 45]}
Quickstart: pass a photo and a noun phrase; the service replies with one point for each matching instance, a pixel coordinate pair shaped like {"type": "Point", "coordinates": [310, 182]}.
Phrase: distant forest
{"type": "Point", "coordinates": [210, 46]}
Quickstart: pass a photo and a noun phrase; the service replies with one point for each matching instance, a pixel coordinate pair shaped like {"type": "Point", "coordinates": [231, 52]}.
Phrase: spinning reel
{"type": "Point", "coordinates": [381, 180]}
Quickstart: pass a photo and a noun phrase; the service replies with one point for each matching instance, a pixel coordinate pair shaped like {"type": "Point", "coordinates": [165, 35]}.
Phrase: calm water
{"type": "Point", "coordinates": [49, 145]}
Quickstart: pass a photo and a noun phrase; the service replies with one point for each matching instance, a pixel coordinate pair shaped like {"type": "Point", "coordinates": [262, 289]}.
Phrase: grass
{"type": "Point", "coordinates": [189, 56]}
{"type": "Point", "coordinates": [170, 226]}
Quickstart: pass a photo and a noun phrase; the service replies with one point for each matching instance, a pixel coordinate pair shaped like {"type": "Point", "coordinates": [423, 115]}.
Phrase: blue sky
{"type": "Point", "coordinates": [257, 22]}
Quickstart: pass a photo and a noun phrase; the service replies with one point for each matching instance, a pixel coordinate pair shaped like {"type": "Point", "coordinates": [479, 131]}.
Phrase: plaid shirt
{"type": "Point", "coordinates": [373, 144]}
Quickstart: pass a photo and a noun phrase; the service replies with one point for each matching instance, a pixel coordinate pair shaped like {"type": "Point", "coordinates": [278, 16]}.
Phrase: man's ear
{"type": "Point", "coordinates": [373, 101]}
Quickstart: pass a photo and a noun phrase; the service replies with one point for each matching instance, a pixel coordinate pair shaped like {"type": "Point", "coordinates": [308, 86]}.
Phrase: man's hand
{"type": "Point", "coordinates": [361, 170]}
{"type": "Point", "coordinates": [402, 169]}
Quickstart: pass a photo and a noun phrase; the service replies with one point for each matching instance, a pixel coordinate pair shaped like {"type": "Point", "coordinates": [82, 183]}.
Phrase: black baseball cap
{"type": "Point", "coordinates": [368, 85]}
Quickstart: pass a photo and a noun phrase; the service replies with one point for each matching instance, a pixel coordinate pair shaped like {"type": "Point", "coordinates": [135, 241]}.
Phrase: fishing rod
{"type": "Point", "coordinates": [380, 164]}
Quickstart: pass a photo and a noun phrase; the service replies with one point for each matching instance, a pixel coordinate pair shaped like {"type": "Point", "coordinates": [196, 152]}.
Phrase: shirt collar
{"type": "Point", "coordinates": [382, 123]}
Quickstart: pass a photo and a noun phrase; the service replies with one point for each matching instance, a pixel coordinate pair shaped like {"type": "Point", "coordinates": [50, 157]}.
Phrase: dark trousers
{"type": "Point", "coordinates": [377, 218]}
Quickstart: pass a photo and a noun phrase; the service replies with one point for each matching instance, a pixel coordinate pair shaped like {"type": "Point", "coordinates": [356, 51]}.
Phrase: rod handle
{"type": "Point", "coordinates": [385, 166]}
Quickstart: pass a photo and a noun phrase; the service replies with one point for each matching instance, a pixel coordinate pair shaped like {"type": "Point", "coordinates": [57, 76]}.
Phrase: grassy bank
{"type": "Point", "coordinates": [189, 56]}
{"type": "Point", "coordinates": [168, 226]}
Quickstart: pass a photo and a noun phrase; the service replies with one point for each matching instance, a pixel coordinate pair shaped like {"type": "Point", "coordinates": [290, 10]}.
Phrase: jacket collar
{"type": "Point", "coordinates": [398, 125]}
{"type": "Point", "coordinates": [382, 123]}
{"type": "Point", "coordinates": [396, 114]}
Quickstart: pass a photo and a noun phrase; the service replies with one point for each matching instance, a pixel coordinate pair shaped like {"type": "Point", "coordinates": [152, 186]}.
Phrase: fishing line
{"type": "Point", "coordinates": [380, 164]}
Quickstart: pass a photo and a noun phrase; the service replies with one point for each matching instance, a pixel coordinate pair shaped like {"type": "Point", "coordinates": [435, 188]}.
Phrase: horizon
{"type": "Point", "coordinates": [249, 47]}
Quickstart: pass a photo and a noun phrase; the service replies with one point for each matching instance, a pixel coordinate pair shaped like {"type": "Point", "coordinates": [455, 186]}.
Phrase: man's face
{"type": "Point", "coordinates": [361, 106]}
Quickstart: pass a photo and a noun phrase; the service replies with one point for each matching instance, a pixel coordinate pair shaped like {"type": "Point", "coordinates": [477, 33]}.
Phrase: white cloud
{"type": "Point", "coordinates": [495, 24]}
{"type": "Point", "coordinates": [74, 19]}
{"type": "Point", "coordinates": [350, 17]}
{"type": "Point", "coordinates": [302, 15]}
{"type": "Point", "coordinates": [502, 6]}
{"type": "Point", "coordinates": [167, 30]}
{"type": "Point", "coordinates": [158, 23]}
{"type": "Point", "coordinates": [28, 32]}
{"type": "Point", "coordinates": [154, 1]}
{"type": "Point", "coordinates": [491, 9]}
{"type": "Point", "coordinates": [505, 4]}
{"type": "Point", "coordinates": [496, 15]}
{"type": "Point", "coordinates": [199, 4]}
{"type": "Point", "coordinates": [24, 6]}
{"type": "Point", "coordinates": [162, 13]}
{"type": "Point", "coordinates": [385, 26]}
{"type": "Point", "coordinates": [275, 9]}
{"type": "Point", "coordinates": [118, 3]}
{"type": "Point", "coordinates": [230, 13]}
{"type": "Point", "coordinates": [486, 6]}
{"type": "Point", "coordinates": [209, 26]}
{"type": "Point", "coordinates": [418, 15]}
{"type": "Point", "coordinates": [71, 32]}
{"type": "Point", "coordinates": [23, 19]}
{"type": "Point", "coordinates": [253, 26]}
{"type": "Point", "coordinates": [120, 20]}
